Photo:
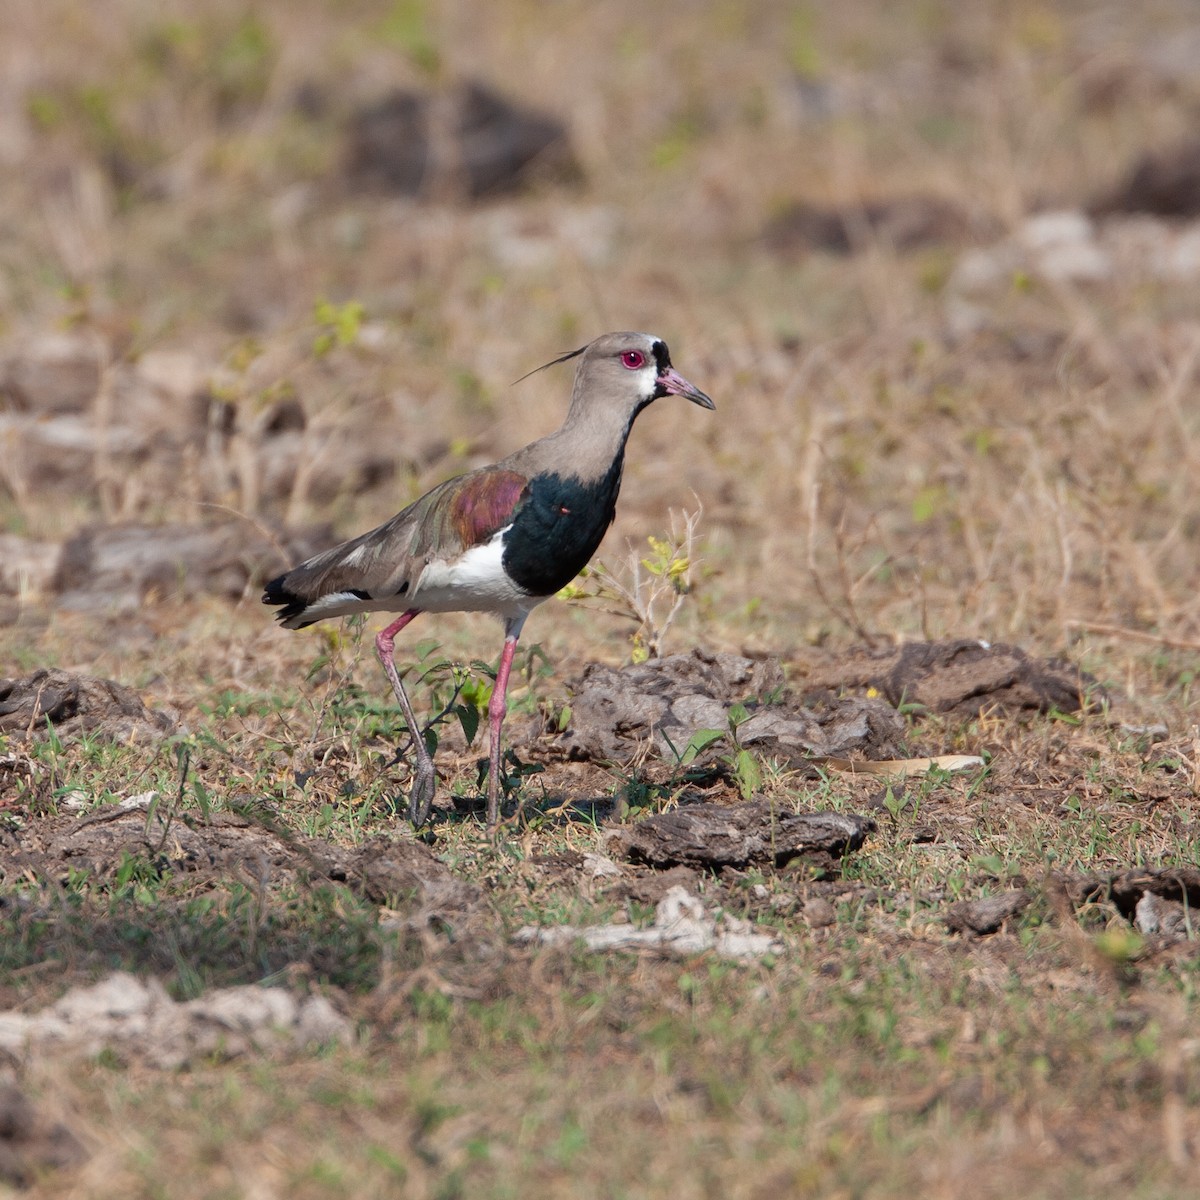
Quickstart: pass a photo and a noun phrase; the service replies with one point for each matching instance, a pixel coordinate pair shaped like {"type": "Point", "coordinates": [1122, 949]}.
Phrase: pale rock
{"type": "Point", "coordinates": [681, 926]}
{"type": "Point", "coordinates": [136, 1018]}
{"type": "Point", "coordinates": [1154, 914]}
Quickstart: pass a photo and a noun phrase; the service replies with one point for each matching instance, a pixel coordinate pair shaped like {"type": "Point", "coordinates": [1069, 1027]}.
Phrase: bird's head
{"type": "Point", "coordinates": [629, 371]}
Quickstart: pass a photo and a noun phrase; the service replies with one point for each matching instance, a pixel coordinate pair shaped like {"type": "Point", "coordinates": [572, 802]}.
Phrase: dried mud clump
{"type": "Point", "coordinates": [387, 871]}
{"type": "Point", "coordinates": [985, 916]}
{"type": "Point", "coordinates": [617, 712]}
{"type": "Point", "coordinates": [466, 142]}
{"type": "Point", "coordinates": [381, 870]}
{"type": "Point", "coordinates": [960, 678]}
{"type": "Point", "coordinates": [1181, 885]}
{"type": "Point", "coordinates": [76, 705]}
{"type": "Point", "coordinates": [1163, 182]}
{"type": "Point", "coordinates": [740, 835]}
{"type": "Point", "coordinates": [1159, 902]}
{"type": "Point", "coordinates": [30, 1143]}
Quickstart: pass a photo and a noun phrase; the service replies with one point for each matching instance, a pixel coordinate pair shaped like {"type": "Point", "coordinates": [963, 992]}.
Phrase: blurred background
{"type": "Point", "coordinates": [938, 263]}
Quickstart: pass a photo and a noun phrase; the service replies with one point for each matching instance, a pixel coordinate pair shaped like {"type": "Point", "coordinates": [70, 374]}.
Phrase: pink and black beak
{"type": "Point", "coordinates": [671, 383]}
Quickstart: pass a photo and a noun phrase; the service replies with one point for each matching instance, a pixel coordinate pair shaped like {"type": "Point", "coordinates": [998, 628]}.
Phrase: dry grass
{"type": "Point", "coordinates": [868, 474]}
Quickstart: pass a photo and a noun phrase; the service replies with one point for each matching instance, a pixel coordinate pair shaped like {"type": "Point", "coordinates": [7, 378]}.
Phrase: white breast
{"type": "Point", "coordinates": [475, 582]}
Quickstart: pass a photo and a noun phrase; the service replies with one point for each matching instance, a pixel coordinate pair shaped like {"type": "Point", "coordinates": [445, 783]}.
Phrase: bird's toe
{"type": "Point", "coordinates": [420, 799]}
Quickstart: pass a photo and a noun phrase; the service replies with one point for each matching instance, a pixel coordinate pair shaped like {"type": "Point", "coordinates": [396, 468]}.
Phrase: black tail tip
{"type": "Point", "coordinates": [290, 605]}
{"type": "Point", "coordinates": [275, 592]}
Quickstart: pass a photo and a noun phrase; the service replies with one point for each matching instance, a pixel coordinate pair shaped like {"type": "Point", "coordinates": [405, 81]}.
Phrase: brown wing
{"type": "Point", "coordinates": [383, 564]}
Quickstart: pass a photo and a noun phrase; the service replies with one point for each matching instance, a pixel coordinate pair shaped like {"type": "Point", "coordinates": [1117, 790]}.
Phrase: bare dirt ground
{"type": "Point", "coordinates": [852, 806]}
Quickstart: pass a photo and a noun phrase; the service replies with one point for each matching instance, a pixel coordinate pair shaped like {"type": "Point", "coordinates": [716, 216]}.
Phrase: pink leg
{"type": "Point", "coordinates": [424, 776]}
{"type": "Point", "coordinates": [497, 708]}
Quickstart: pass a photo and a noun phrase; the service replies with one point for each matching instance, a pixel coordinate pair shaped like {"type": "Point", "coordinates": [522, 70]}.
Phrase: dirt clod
{"type": "Point", "coordinates": [618, 712]}
{"type": "Point", "coordinates": [385, 871]}
{"type": "Point", "coordinates": [31, 1144]}
{"type": "Point", "coordinates": [77, 705]}
{"type": "Point", "coordinates": [1165, 182]}
{"type": "Point", "coordinates": [989, 914]}
{"type": "Point", "coordinates": [1157, 901]}
{"type": "Point", "coordinates": [467, 141]}
{"type": "Point", "coordinates": [739, 835]}
{"type": "Point", "coordinates": [960, 677]}
{"type": "Point", "coordinates": [382, 870]}
{"type": "Point", "coordinates": [1178, 884]}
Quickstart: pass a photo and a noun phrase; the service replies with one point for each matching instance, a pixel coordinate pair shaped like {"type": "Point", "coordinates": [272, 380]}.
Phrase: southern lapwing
{"type": "Point", "coordinates": [500, 539]}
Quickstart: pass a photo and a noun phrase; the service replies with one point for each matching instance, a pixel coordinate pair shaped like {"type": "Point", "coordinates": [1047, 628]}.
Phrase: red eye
{"type": "Point", "coordinates": [633, 359]}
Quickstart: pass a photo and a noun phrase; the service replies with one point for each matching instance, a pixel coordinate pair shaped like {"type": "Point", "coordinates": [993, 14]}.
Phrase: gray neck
{"type": "Point", "coordinates": [591, 439]}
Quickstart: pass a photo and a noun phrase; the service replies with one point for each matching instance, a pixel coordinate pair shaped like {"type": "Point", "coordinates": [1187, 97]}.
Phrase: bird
{"type": "Point", "coordinates": [500, 539]}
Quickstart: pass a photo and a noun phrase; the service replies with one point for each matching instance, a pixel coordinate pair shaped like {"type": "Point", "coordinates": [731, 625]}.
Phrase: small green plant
{"type": "Point", "coordinates": [450, 692]}
{"type": "Point", "coordinates": [337, 325]}
{"type": "Point", "coordinates": [453, 692]}
{"type": "Point", "coordinates": [650, 589]}
{"type": "Point", "coordinates": [744, 768]}
{"type": "Point", "coordinates": [895, 803]}
{"type": "Point", "coordinates": [136, 877]}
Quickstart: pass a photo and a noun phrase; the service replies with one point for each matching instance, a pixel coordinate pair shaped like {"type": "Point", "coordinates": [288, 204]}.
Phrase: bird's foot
{"type": "Point", "coordinates": [424, 787]}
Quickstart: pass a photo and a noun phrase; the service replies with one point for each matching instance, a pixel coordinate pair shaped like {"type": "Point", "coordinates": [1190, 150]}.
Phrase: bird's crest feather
{"type": "Point", "coordinates": [562, 358]}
